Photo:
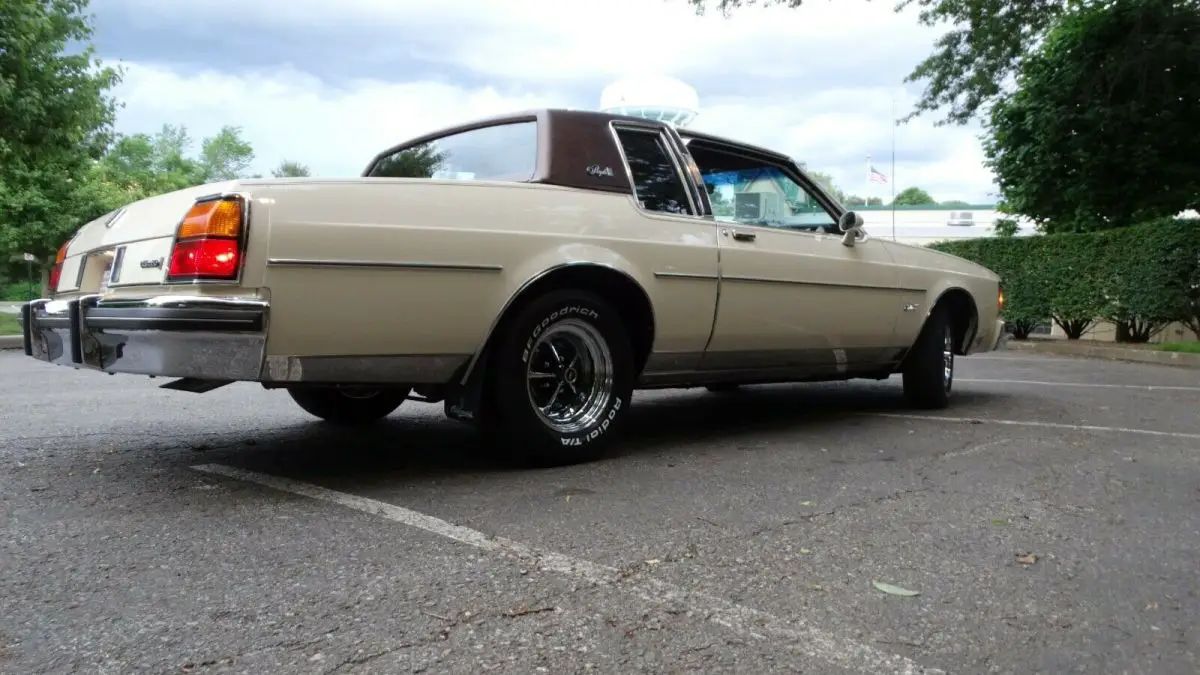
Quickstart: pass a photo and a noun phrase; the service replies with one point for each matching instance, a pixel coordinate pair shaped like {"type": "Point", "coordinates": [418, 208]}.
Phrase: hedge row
{"type": "Point", "coordinates": [1139, 278]}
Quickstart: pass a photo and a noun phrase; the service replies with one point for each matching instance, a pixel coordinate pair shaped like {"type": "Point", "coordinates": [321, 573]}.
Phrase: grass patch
{"type": "Point", "coordinates": [8, 324]}
{"type": "Point", "coordinates": [1185, 347]}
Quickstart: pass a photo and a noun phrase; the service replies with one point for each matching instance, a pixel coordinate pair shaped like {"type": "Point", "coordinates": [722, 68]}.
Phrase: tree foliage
{"type": "Point", "coordinates": [855, 200]}
{"type": "Point", "coordinates": [417, 162]}
{"type": "Point", "coordinates": [1101, 132]}
{"type": "Point", "coordinates": [964, 73]}
{"type": "Point", "coordinates": [55, 121]}
{"type": "Point", "coordinates": [914, 196]}
{"type": "Point", "coordinates": [290, 169]}
{"type": "Point", "coordinates": [1139, 278]}
{"type": "Point", "coordinates": [141, 165]}
{"type": "Point", "coordinates": [226, 155]}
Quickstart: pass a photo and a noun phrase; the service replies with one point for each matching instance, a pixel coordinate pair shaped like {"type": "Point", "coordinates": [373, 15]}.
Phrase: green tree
{"type": "Point", "coordinates": [855, 200]}
{"type": "Point", "coordinates": [140, 165]}
{"type": "Point", "coordinates": [913, 196]}
{"type": "Point", "coordinates": [1101, 131]}
{"type": "Point", "coordinates": [826, 181]}
{"type": "Point", "coordinates": [290, 169]}
{"type": "Point", "coordinates": [956, 204]}
{"type": "Point", "coordinates": [55, 121]}
{"type": "Point", "coordinates": [417, 162]}
{"type": "Point", "coordinates": [985, 44]}
{"type": "Point", "coordinates": [225, 156]}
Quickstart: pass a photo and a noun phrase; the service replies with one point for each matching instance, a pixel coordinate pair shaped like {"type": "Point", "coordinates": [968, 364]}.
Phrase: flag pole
{"type": "Point", "coordinates": [893, 180]}
{"type": "Point", "coordinates": [867, 187]}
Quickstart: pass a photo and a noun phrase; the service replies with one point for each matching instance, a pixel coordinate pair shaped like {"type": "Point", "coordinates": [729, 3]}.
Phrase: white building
{"type": "Point", "coordinates": [929, 223]}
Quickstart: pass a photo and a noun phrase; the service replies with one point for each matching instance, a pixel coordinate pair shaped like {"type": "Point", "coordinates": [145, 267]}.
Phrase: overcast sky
{"type": "Point", "coordinates": [331, 83]}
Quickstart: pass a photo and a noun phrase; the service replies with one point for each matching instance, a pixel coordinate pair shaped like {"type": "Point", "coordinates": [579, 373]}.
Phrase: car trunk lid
{"type": "Point", "coordinates": [130, 246]}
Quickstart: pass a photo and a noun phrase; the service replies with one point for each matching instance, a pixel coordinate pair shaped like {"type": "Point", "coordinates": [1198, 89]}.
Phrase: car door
{"type": "Point", "coordinates": [792, 295]}
{"type": "Point", "coordinates": [668, 235]}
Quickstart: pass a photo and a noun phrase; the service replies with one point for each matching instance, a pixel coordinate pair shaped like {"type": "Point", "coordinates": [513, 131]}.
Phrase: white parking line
{"type": "Point", "coordinates": [800, 636]}
{"type": "Point", "coordinates": [1024, 423]}
{"type": "Point", "coordinates": [1098, 385]}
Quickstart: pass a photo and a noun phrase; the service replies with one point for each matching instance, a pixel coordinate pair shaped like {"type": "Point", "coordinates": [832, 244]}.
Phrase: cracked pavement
{"type": "Point", "coordinates": [786, 501]}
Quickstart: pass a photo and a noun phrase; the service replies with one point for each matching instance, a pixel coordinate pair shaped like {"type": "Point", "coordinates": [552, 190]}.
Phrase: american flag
{"type": "Point", "coordinates": [877, 176]}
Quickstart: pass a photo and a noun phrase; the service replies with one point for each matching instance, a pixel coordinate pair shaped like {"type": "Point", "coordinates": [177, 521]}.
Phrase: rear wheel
{"type": "Point", "coordinates": [929, 369]}
{"type": "Point", "coordinates": [560, 380]}
{"type": "Point", "coordinates": [349, 406]}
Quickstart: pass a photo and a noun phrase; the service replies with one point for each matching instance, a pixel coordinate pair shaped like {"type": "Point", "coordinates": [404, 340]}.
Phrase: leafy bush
{"type": "Point", "coordinates": [1139, 278]}
{"type": "Point", "coordinates": [17, 291]}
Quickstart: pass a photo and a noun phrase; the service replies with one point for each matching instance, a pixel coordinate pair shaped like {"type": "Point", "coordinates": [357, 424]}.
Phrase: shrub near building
{"type": "Point", "coordinates": [1140, 278]}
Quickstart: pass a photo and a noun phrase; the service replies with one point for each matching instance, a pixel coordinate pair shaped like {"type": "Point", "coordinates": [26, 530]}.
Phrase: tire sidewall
{"type": "Point", "coordinates": [947, 333]}
{"type": "Point", "coordinates": [517, 415]}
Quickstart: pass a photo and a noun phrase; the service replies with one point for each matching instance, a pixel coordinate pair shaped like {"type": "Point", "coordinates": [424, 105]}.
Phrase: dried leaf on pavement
{"type": "Point", "coordinates": [894, 590]}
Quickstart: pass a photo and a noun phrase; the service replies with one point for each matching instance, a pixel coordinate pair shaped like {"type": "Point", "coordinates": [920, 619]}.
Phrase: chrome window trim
{"type": "Point", "coordinates": [790, 169]}
{"type": "Point", "coordinates": [656, 129]}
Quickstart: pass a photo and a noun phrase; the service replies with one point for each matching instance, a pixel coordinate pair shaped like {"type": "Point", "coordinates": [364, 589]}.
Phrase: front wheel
{"type": "Point", "coordinates": [561, 379]}
{"type": "Point", "coordinates": [348, 406]}
{"type": "Point", "coordinates": [929, 369]}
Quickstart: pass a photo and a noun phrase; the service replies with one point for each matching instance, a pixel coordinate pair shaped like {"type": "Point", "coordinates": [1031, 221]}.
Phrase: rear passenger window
{"type": "Point", "coordinates": [656, 182]}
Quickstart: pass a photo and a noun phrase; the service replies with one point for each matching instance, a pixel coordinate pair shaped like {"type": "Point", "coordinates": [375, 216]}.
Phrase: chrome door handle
{"type": "Point", "coordinates": [744, 236]}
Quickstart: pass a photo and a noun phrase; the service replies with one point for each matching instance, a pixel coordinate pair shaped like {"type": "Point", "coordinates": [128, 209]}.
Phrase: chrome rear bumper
{"type": "Point", "coordinates": [218, 338]}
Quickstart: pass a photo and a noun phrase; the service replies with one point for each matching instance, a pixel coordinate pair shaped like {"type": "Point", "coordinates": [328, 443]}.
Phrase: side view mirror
{"type": "Point", "coordinates": [850, 225]}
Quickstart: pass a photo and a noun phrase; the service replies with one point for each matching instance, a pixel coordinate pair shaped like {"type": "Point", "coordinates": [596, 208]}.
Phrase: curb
{"type": "Point", "coordinates": [1065, 348]}
{"type": "Point", "coordinates": [11, 342]}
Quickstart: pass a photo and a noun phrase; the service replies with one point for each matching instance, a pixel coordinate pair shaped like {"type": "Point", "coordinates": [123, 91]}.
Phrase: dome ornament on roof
{"type": "Point", "coordinates": [655, 97]}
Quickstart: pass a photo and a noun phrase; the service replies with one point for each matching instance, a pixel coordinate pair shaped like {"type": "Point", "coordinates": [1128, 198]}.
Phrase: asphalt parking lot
{"type": "Point", "coordinates": [1049, 520]}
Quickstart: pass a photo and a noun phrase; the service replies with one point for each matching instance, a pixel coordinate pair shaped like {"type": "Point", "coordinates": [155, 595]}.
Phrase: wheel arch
{"type": "Point", "coordinates": [615, 285]}
{"type": "Point", "coordinates": [964, 315]}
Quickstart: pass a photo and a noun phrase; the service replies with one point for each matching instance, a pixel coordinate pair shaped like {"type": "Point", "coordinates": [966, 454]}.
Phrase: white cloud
{"type": "Point", "coordinates": [763, 75]}
{"type": "Point", "coordinates": [291, 115]}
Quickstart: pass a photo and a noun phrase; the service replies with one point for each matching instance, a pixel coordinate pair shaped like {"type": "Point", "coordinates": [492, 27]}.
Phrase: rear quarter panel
{"type": "Point", "coordinates": [390, 298]}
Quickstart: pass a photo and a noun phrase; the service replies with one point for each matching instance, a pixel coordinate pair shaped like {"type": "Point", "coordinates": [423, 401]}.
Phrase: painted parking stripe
{"type": "Point", "coordinates": [1097, 385]}
{"type": "Point", "coordinates": [1025, 423]}
{"type": "Point", "coordinates": [798, 634]}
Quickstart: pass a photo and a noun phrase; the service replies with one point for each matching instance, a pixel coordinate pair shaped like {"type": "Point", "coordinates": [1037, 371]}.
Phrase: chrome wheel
{"type": "Point", "coordinates": [947, 358]}
{"type": "Point", "coordinates": [570, 376]}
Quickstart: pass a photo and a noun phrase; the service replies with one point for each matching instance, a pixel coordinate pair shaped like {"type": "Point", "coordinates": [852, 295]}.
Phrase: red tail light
{"type": "Point", "coordinates": [204, 259]}
{"type": "Point", "coordinates": [56, 271]}
{"type": "Point", "coordinates": [208, 242]}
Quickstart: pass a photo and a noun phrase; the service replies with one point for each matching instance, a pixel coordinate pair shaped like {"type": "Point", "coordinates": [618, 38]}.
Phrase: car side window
{"type": "Point", "coordinates": [657, 184]}
{"type": "Point", "coordinates": [506, 151]}
{"type": "Point", "coordinates": [753, 191]}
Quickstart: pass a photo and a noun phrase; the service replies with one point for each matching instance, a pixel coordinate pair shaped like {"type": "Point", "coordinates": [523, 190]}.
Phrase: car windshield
{"type": "Point", "coordinates": [755, 192]}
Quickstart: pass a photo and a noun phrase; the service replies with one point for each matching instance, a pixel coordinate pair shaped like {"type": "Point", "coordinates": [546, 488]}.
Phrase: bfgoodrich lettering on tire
{"type": "Point", "coordinates": [929, 368]}
{"type": "Point", "coordinates": [561, 379]}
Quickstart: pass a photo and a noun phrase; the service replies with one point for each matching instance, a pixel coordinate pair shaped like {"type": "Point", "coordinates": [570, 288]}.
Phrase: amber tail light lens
{"type": "Point", "coordinates": [56, 271]}
{"type": "Point", "coordinates": [208, 243]}
{"type": "Point", "coordinates": [1000, 300]}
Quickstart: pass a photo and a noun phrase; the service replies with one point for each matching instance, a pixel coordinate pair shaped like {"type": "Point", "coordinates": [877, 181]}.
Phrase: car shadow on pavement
{"type": "Point", "coordinates": [423, 446]}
